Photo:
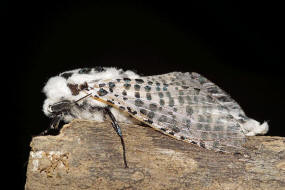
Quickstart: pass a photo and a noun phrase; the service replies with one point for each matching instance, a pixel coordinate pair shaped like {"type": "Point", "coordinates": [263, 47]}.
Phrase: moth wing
{"type": "Point", "coordinates": [196, 80]}
{"type": "Point", "coordinates": [179, 108]}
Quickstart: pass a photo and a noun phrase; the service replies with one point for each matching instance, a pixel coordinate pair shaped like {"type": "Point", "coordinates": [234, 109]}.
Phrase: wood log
{"type": "Point", "coordinates": [88, 155]}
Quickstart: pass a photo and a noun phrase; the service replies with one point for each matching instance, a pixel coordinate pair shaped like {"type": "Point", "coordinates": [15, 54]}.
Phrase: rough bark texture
{"type": "Point", "coordinates": [88, 155]}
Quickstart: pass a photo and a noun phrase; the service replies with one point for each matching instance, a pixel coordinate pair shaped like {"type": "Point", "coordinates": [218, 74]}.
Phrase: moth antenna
{"type": "Point", "coordinates": [83, 98]}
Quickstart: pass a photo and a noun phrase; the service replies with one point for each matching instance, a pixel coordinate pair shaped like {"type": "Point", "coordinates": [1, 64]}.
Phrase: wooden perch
{"type": "Point", "coordinates": [88, 155]}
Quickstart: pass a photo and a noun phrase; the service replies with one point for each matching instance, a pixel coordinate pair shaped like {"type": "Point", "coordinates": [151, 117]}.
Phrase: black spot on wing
{"type": "Point", "coordinates": [137, 94]}
{"type": "Point", "coordinates": [127, 79]}
{"type": "Point", "coordinates": [83, 86]}
{"type": "Point", "coordinates": [66, 75]}
{"type": "Point", "coordinates": [102, 85]}
{"type": "Point", "coordinates": [102, 92]}
{"type": "Point", "coordinates": [139, 102]}
{"type": "Point", "coordinates": [84, 71]}
{"type": "Point", "coordinates": [131, 111]}
{"type": "Point", "coordinates": [99, 69]}
{"type": "Point", "coordinates": [127, 86]}
{"type": "Point", "coordinates": [149, 121]}
{"type": "Point", "coordinates": [73, 88]}
{"type": "Point", "coordinates": [139, 81]}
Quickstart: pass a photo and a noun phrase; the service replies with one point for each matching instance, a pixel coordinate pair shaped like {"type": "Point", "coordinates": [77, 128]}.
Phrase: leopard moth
{"type": "Point", "coordinates": [185, 106]}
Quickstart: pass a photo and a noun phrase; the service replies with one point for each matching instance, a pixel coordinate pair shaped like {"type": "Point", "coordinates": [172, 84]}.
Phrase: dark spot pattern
{"type": "Point", "coordinates": [143, 111]}
{"type": "Point", "coordinates": [213, 90]}
{"type": "Point", "coordinates": [224, 99]}
{"type": "Point", "coordinates": [111, 102]}
{"type": "Point", "coordinates": [127, 79]}
{"type": "Point", "coordinates": [202, 80]}
{"type": "Point", "coordinates": [111, 85]}
{"type": "Point", "coordinates": [202, 144]}
{"type": "Point", "coordinates": [168, 94]}
{"type": "Point", "coordinates": [147, 88]}
{"type": "Point", "coordinates": [137, 94]}
{"type": "Point", "coordinates": [162, 118]}
{"type": "Point", "coordinates": [153, 107]}
{"type": "Point", "coordinates": [99, 69]}
{"type": "Point", "coordinates": [66, 75]}
{"type": "Point", "coordinates": [151, 114]}
{"type": "Point", "coordinates": [161, 102]}
{"type": "Point", "coordinates": [137, 87]}
{"type": "Point", "coordinates": [74, 89]}
{"type": "Point", "coordinates": [139, 102]}
{"type": "Point", "coordinates": [102, 92]}
{"type": "Point", "coordinates": [149, 121]}
{"type": "Point", "coordinates": [102, 85]}
{"type": "Point", "coordinates": [131, 111]}
{"type": "Point", "coordinates": [197, 91]}
{"type": "Point", "coordinates": [124, 93]}
{"type": "Point", "coordinates": [171, 133]}
{"type": "Point", "coordinates": [181, 100]}
{"type": "Point", "coordinates": [139, 81]}
{"type": "Point", "coordinates": [84, 71]}
{"type": "Point", "coordinates": [185, 87]}
{"type": "Point", "coordinates": [83, 86]}
{"type": "Point", "coordinates": [171, 102]}
{"type": "Point", "coordinates": [122, 108]}
{"type": "Point", "coordinates": [148, 96]}
{"type": "Point", "coordinates": [175, 129]}
{"type": "Point", "coordinates": [127, 86]}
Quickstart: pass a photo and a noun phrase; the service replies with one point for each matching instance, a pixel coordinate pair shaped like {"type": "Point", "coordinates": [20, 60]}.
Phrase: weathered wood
{"type": "Point", "coordinates": [88, 155]}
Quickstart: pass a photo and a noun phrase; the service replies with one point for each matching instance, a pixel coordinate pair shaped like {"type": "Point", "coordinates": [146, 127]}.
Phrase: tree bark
{"type": "Point", "coordinates": [88, 155]}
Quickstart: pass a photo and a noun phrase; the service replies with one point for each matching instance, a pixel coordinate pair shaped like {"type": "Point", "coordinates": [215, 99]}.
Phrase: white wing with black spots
{"type": "Point", "coordinates": [178, 109]}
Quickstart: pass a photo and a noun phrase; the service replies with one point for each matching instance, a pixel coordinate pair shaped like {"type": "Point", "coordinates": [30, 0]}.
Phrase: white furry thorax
{"type": "Point", "coordinates": [56, 90]}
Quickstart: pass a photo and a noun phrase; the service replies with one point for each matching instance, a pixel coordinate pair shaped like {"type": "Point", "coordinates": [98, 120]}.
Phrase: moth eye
{"type": "Point", "coordinates": [50, 108]}
{"type": "Point", "coordinates": [60, 106]}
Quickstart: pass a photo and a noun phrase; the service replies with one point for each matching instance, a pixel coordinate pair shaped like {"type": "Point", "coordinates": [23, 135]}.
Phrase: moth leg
{"type": "Point", "coordinates": [118, 131]}
{"type": "Point", "coordinates": [53, 128]}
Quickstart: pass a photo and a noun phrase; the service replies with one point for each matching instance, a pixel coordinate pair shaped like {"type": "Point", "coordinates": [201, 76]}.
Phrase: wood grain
{"type": "Point", "coordinates": [88, 155]}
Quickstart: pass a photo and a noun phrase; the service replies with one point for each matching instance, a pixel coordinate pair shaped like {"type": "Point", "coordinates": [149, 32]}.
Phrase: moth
{"type": "Point", "coordinates": [185, 106]}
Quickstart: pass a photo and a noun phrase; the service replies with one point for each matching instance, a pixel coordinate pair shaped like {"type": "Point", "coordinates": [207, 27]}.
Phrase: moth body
{"type": "Point", "coordinates": [185, 106]}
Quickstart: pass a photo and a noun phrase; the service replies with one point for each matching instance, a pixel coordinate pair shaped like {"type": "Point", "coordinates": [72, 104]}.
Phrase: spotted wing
{"type": "Point", "coordinates": [177, 105]}
{"type": "Point", "coordinates": [199, 81]}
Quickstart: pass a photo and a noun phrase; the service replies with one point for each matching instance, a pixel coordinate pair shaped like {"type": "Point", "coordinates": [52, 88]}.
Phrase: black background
{"type": "Point", "coordinates": [236, 45]}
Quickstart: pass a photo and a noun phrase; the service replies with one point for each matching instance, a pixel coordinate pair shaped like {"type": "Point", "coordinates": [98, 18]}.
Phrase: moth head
{"type": "Point", "coordinates": [57, 111]}
{"type": "Point", "coordinates": [59, 108]}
